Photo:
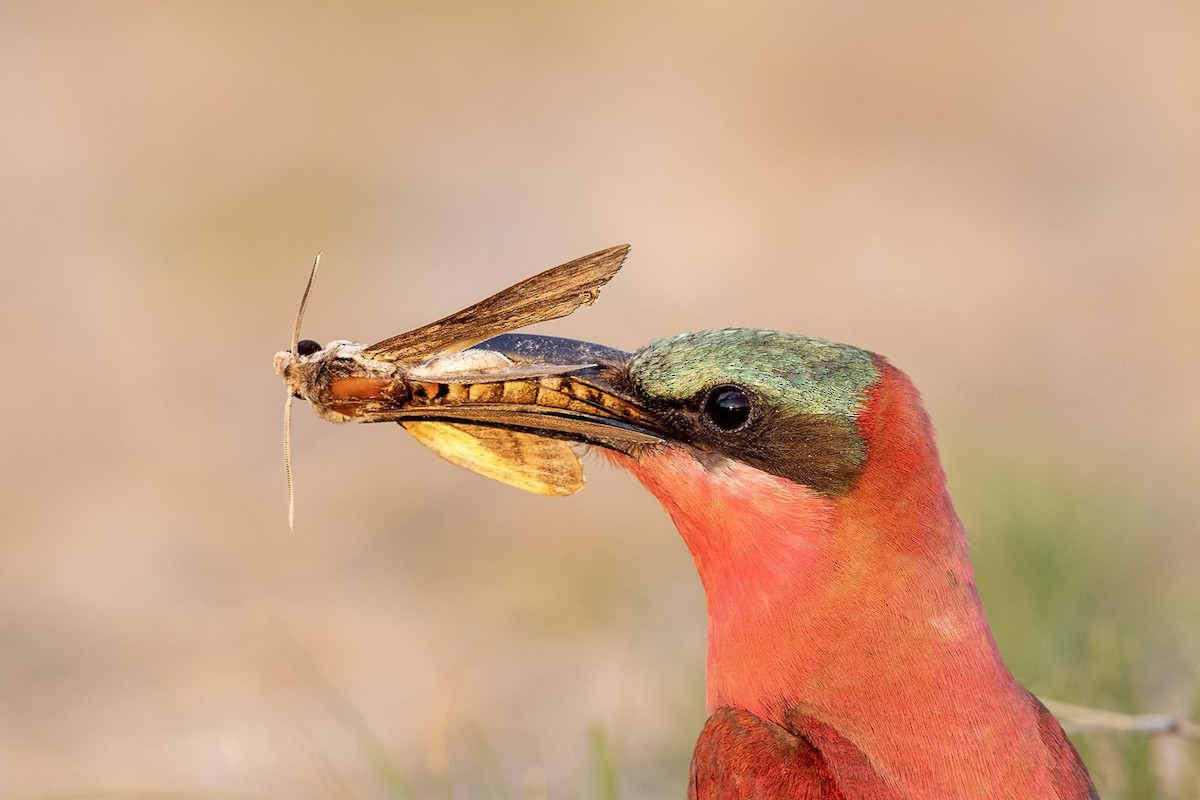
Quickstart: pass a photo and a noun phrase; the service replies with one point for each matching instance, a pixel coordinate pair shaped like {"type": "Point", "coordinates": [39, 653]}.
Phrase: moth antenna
{"type": "Point", "coordinates": [287, 405]}
{"type": "Point", "coordinates": [287, 460]}
{"type": "Point", "coordinates": [304, 302]}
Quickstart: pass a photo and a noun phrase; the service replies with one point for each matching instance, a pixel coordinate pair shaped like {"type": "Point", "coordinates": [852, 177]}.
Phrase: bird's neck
{"type": "Point", "coordinates": [811, 603]}
{"type": "Point", "coordinates": [859, 612]}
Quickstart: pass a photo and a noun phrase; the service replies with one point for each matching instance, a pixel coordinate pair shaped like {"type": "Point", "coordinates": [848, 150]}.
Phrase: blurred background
{"type": "Point", "coordinates": [1003, 199]}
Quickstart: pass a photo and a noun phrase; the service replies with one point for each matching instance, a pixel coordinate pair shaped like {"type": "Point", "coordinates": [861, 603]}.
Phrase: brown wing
{"type": "Point", "coordinates": [742, 757]}
{"type": "Point", "coordinates": [548, 295]}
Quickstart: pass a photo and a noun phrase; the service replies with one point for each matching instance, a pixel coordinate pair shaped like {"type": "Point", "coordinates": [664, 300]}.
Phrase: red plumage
{"type": "Point", "coordinates": [849, 655]}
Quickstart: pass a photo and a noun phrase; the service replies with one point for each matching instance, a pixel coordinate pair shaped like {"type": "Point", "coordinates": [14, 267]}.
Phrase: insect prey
{"type": "Point", "coordinates": [423, 379]}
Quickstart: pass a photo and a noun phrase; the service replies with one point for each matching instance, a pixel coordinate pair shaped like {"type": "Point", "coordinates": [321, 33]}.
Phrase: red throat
{"type": "Point", "coordinates": [761, 544]}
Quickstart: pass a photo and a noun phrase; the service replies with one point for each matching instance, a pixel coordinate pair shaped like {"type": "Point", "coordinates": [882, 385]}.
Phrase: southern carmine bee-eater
{"type": "Point", "coordinates": [848, 653]}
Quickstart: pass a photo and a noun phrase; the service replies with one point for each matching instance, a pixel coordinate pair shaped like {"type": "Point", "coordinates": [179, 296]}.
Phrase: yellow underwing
{"type": "Point", "coordinates": [524, 460]}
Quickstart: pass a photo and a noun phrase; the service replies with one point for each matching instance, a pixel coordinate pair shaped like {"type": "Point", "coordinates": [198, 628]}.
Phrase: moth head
{"type": "Point", "coordinates": [310, 366]}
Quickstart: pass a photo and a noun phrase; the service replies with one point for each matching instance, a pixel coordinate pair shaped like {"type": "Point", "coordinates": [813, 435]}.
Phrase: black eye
{"type": "Point", "coordinates": [306, 347]}
{"type": "Point", "coordinates": [727, 407]}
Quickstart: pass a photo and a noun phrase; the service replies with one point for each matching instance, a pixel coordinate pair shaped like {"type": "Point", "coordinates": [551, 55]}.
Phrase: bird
{"type": "Point", "coordinates": [849, 655]}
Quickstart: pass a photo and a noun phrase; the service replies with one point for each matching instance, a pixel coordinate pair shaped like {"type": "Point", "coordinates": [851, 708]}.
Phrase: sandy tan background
{"type": "Point", "coordinates": [1005, 200]}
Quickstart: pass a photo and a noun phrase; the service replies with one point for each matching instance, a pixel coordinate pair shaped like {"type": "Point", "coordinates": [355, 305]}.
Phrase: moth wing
{"type": "Point", "coordinates": [548, 295]}
{"type": "Point", "coordinates": [533, 463]}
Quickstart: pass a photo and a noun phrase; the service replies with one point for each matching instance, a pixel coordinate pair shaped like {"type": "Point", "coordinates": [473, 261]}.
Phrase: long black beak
{"type": "Point", "coordinates": [558, 388]}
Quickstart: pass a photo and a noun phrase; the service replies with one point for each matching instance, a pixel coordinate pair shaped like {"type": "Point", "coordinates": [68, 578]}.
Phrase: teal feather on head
{"type": "Point", "coordinates": [796, 374]}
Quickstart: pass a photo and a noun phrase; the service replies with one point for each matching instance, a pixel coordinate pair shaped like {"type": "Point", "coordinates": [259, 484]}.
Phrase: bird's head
{"type": "Point", "coordinates": [801, 409]}
{"type": "Point", "coordinates": [741, 414]}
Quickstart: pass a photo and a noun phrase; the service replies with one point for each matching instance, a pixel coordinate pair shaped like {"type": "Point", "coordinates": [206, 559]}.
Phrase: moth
{"type": "Point", "coordinates": [454, 382]}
